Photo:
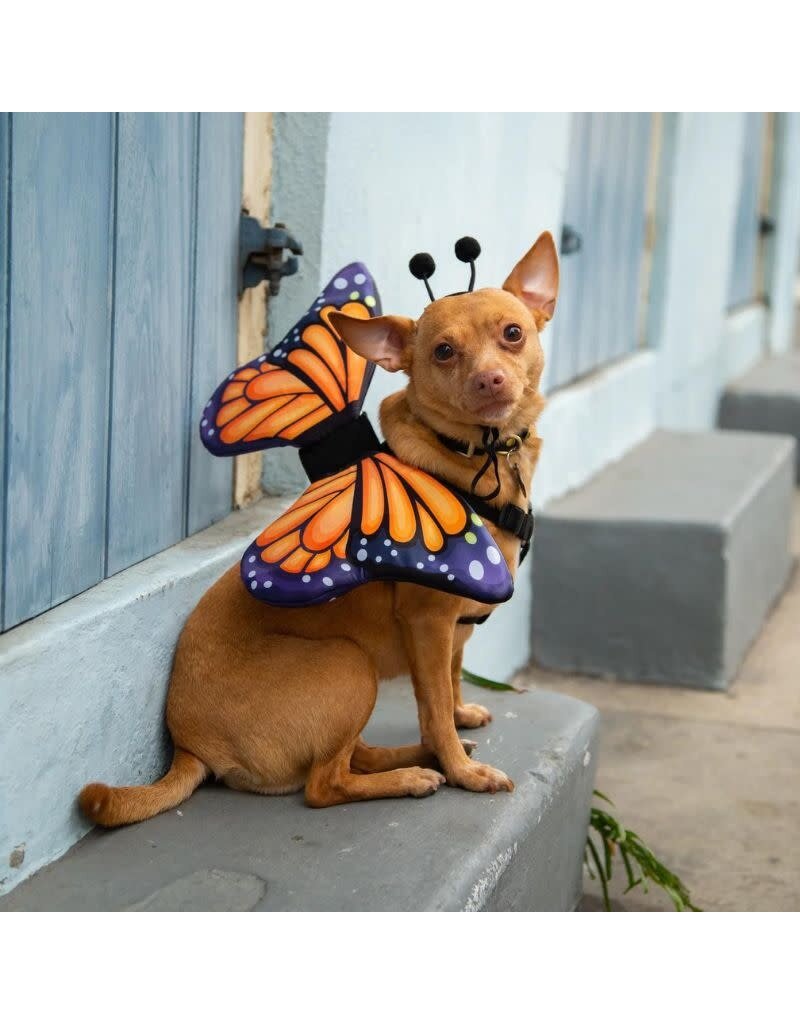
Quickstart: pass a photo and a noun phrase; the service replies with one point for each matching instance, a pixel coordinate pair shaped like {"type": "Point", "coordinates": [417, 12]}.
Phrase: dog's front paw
{"type": "Point", "coordinates": [471, 716]}
{"type": "Point", "coordinates": [480, 778]}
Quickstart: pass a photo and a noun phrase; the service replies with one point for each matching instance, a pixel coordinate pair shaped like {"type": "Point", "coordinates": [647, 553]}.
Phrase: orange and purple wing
{"type": "Point", "coordinates": [309, 384]}
{"type": "Point", "coordinates": [377, 520]}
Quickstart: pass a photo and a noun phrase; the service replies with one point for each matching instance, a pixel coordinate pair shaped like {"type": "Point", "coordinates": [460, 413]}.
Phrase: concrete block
{"type": "Point", "coordinates": [453, 851]}
{"type": "Point", "coordinates": [663, 567]}
{"type": "Point", "coordinates": [767, 399]}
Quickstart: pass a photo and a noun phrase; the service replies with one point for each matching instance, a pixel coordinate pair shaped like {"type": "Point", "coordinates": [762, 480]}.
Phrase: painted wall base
{"type": "Point", "coordinates": [84, 685]}
{"type": "Point", "coordinates": [454, 851]}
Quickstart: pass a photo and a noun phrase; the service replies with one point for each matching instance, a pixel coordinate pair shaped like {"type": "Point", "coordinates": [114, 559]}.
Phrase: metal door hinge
{"type": "Point", "coordinates": [766, 226]}
{"type": "Point", "coordinates": [571, 241]}
{"type": "Point", "coordinates": [261, 254]}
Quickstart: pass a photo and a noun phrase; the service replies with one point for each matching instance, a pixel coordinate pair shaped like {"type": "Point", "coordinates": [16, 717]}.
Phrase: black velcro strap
{"type": "Point", "coordinates": [516, 521]}
{"type": "Point", "coordinates": [343, 447]}
{"type": "Point", "coordinates": [510, 517]}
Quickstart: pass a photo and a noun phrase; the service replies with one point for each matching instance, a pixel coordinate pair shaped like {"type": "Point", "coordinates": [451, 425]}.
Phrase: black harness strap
{"type": "Point", "coordinates": [342, 447]}
{"type": "Point", "coordinates": [355, 439]}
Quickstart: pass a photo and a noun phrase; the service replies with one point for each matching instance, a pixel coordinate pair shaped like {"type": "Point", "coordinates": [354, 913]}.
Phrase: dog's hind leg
{"type": "Point", "coordinates": [334, 782]}
{"type": "Point", "coordinates": [383, 759]}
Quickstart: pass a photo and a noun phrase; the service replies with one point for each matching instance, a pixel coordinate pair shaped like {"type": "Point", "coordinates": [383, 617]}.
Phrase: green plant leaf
{"type": "Point", "coordinates": [489, 684]}
{"type": "Point", "coordinates": [636, 856]}
{"type": "Point", "coordinates": [600, 875]}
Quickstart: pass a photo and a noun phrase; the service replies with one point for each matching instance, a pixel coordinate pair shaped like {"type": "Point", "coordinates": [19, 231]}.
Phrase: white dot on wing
{"type": "Point", "coordinates": [476, 569]}
{"type": "Point", "coordinates": [493, 555]}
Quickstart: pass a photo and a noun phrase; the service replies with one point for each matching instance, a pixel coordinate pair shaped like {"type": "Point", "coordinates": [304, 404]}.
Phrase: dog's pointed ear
{"type": "Point", "coordinates": [381, 339]}
{"type": "Point", "coordinates": [534, 280]}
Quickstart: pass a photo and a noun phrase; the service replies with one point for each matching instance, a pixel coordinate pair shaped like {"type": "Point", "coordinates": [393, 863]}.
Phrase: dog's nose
{"type": "Point", "coordinates": [488, 382]}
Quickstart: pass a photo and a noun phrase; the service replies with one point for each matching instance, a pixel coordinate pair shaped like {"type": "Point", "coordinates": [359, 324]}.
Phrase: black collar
{"type": "Point", "coordinates": [510, 517]}
{"type": "Point", "coordinates": [504, 446]}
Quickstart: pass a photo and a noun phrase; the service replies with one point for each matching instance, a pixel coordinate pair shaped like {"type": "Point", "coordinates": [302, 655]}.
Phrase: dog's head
{"type": "Point", "coordinates": [473, 359]}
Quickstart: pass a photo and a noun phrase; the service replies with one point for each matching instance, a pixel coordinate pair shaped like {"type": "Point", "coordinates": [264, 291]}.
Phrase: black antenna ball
{"type": "Point", "coordinates": [422, 266]}
{"type": "Point", "coordinates": [467, 249]}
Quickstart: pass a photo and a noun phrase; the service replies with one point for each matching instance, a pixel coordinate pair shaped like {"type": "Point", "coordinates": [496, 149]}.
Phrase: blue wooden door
{"type": "Point", "coordinates": [604, 205]}
{"type": "Point", "coordinates": [118, 239]}
{"type": "Point", "coordinates": [742, 283]}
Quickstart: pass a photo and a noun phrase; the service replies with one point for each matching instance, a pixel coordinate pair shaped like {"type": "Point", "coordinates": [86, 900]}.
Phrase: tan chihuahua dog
{"type": "Point", "coordinates": [270, 699]}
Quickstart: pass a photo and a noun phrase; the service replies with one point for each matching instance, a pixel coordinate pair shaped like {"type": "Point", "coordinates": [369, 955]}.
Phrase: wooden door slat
{"type": "Point", "coordinates": [58, 372]}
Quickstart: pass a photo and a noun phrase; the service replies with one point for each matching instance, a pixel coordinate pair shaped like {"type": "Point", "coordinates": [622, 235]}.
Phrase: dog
{"type": "Point", "coordinates": [272, 699]}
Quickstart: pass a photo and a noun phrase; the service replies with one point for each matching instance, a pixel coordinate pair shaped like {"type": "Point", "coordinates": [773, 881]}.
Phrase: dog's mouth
{"type": "Point", "coordinates": [495, 412]}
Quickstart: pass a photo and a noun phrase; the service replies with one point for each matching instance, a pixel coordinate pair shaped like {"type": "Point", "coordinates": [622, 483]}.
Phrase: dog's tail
{"type": "Point", "coordinates": [122, 805]}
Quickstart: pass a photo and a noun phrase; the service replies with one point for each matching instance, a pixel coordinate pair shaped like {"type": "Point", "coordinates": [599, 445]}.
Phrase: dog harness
{"type": "Point", "coordinates": [366, 515]}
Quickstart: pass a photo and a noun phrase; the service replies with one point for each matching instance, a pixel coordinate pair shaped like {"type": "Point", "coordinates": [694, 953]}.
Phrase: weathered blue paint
{"type": "Point", "coordinates": [742, 281]}
{"type": "Point", "coordinates": [600, 284]}
{"type": "Point", "coordinates": [59, 325]}
{"type": "Point", "coordinates": [118, 263]}
{"type": "Point", "coordinates": [783, 247]}
{"type": "Point", "coordinates": [5, 215]}
{"type": "Point", "coordinates": [156, 196]}
{"type": "Point", "coordinates": [219, 196]}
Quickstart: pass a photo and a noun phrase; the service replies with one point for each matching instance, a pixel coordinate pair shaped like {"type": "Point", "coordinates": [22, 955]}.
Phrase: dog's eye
{"type": "Point", "coordinates": [512, 332]}
{"type": "Point", "coordinates": [443, 352]}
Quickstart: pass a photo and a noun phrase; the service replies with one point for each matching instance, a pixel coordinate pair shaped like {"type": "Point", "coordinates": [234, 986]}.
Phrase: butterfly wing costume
{"type": "Point", "coordinates": [366, 515]}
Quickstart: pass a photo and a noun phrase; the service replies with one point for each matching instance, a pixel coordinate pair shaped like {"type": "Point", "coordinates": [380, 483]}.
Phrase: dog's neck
{"type": "Point", "coordinates": [412, 434]}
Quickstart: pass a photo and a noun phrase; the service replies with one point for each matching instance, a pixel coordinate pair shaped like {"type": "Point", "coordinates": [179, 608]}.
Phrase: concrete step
{"type": "Point", "coordinates": [453, 851]}
{"type": "Point", "coordinates": [663, 567]}
{"type": "Point", "coordinates": [767, 399]}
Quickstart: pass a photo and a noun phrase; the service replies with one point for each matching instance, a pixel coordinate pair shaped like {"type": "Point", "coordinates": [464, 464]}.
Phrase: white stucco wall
{"type": "Point", "coordinates": [696, 217]}
{"type": "Point", "coordinates": [399, 183]}
{"type": "Point", "coordinates": [402, 183]}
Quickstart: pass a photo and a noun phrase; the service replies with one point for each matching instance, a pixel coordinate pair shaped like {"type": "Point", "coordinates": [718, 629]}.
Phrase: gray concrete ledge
{"type": "Point", "coordinates": [453, 851]}
{"type": "Point", "coordinates": [767, 399]}
{"type": "Point", "coordinates": [663, 567]}
{"type": "Point", "coordinates": [82, 689]}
